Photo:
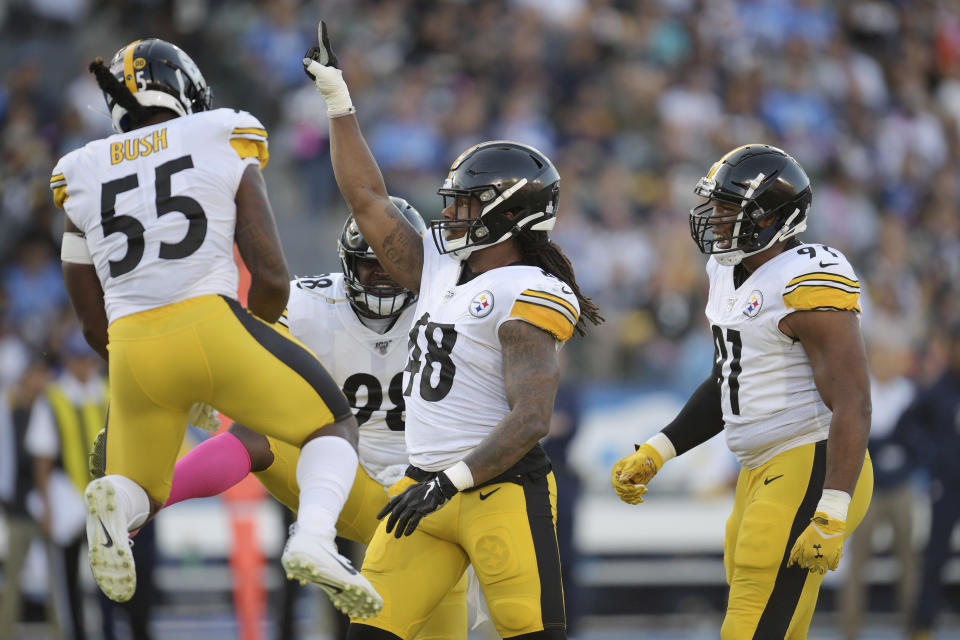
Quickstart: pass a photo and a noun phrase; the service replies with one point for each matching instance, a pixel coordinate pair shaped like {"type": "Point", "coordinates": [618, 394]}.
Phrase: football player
{"type": "Point", "coordinates": [789, 388]}
{"type": "Point", "coordinates": [496, 300]}
{"type": "Point", "coordinates": [356, 322]}
{"type": "Point", "coordinates": [153, 213]}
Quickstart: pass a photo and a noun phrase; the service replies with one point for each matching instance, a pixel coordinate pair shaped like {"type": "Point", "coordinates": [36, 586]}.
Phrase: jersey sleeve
{"type": "Point", "coordinates": [249, 139]}
{"type": "Point", "coordinates": [824, 287]}
{"type": "Point", "coordinates": [548, 304]}
{"type": "Point", "coordinates": [58, 182]}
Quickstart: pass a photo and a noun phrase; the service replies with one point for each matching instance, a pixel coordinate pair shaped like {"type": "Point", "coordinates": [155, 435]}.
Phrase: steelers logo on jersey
{"type": "Point", "coordinates": [754, 302]}
{"type": "Point", "coordinates": [482, 304]}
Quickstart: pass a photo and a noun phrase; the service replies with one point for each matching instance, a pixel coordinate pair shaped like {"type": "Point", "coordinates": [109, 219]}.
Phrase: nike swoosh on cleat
{"type": "Point", "coordinates": [109, 542]}
{"type": "Point", "coordinates": [484, 496]}
{"type": "Point", "coordinates": [349, 569]}
{"type": "Point", "coordinates": [332, 587]}
{"type": "Point", "coordinates": [769, 480]}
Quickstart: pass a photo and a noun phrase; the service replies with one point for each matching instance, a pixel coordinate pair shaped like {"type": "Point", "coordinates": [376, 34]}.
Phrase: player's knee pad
{"type": "Point", "coordinates": [512, 616]}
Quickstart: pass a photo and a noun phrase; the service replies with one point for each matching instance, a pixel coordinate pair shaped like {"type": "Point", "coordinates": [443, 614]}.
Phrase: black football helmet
{"type": "Point", "coordinates": [158, 74]}
{"type": "Point", "coordinates": [374, 301]}
{"type": "Point", "coordinates": [746, 187]}
{"type": "Point", "coordinates": [505, 177]}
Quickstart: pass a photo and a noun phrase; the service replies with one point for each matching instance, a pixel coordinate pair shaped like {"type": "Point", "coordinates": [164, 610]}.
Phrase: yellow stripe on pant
{"type": "Point", "coordinates": [206, 349]}
{"type": "Point", "coordinates": [773, 504]}
{"type": "Point", "coordinates": [506, 530]}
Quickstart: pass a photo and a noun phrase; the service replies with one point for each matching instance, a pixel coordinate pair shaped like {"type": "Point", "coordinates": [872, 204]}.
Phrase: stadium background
{"type": "Point", "coordinates": [633, 100]}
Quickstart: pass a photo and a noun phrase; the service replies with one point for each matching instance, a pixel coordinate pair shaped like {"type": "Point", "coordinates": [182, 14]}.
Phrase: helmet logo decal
{"type": "Point", "coordinates": [754, 302]}
{"type": "Point", "coordinates": [139, 63]}
{"type": "Point", "coordinates": [482, 304]}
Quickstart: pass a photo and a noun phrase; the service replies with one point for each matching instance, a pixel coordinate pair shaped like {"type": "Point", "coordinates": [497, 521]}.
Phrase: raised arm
{"type": "Point", "coordinates": [83, 287]}
{"type": "Point", "coordinates": [259, 243]}
{"type": "Point", "coordinates": [397, 245]}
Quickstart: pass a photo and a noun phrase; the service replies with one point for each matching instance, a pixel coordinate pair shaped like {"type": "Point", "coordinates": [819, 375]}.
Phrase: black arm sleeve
{"type": "Point", "coordinates": [699, 420]}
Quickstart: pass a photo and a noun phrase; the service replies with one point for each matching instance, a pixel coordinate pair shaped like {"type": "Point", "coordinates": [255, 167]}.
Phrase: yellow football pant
{"type": "Point", "coordinates": [357, 522]}
{"type": "Point", "coordinates": [207, 349]}
{"type": "Point", "coordinates": [506, 530]}
{"type": "Point", "coordinates": [773, 505]}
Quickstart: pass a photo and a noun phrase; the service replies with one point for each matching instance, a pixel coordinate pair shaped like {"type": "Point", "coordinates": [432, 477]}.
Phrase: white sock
{"type": "Point", "coordinates": [132, 499]}
{"type": "Point", "coordinates": [325, 473]}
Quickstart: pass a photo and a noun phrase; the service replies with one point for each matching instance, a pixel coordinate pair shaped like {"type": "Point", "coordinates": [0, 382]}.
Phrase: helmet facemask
{"type": "Point", "coordinates": [732, 226]}
{"type": "Point", "coordinates": [502, 216]}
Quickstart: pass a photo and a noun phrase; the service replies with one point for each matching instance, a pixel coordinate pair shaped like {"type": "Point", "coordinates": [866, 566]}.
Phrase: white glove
{"type": "Point", "coordinates": [322, 66]}
{"type": "Point", "coordinates": [203, 416]}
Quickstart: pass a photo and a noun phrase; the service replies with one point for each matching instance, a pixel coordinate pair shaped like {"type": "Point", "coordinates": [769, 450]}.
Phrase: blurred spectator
{"type": "Point", "coordinates": [18, 409]}
{"type": "Point", "coordinates": [893, 496]}
{"type": "Point", "coordinates": [60, 435]}
{"type": "Point", "coordinates": [932, 421]}
{"type": "Point", "coordinates": [34, 286]}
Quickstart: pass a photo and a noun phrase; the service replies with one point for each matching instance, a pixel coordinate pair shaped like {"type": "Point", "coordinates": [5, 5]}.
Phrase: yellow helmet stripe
{"type": "Point", "coordinates": [719, 162]}
{"type": "Point", "coordinates": [128, 77]}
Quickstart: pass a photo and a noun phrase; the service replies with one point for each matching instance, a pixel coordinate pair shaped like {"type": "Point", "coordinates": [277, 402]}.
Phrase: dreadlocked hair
{"type": "Point", "coordinates": [539, 251]}
{"type": "Point", "coordinates": [119, 92]}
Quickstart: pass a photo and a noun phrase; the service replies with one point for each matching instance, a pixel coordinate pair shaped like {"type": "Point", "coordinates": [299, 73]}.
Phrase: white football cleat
{"type": "Point", "coordinates": [109, 545]}
{"type": "Point", "coordinates": [314, 558]}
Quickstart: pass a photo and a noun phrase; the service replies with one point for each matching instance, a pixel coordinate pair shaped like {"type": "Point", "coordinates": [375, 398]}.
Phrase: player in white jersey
{"type": "Point", "coordinates": [789, 388]}
{"type": "Point", "coordinates": [496, 300]}
{"type": "Point", "coordinates": [153, 213]}
{"type": "Point", "coordinates": [356, 322]}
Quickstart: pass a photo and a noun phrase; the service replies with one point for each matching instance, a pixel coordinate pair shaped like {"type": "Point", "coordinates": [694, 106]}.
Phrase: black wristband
{"type": "Point", "coordinates": [699, 420]}
{"type": "Point", "coordinates": [446, 486]}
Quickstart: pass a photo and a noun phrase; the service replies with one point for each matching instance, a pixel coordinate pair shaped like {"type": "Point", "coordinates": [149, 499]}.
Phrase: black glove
{"type": "Point", "coordinates": [407, 509]}
{"type": "Point", "coordinates": [322, 52]}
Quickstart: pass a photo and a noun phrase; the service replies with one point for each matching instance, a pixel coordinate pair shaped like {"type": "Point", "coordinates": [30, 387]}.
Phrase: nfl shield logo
{"type": "Point", "coordinates": [382, 346]}
{"type": "Point", "coordinates": [482, 304]}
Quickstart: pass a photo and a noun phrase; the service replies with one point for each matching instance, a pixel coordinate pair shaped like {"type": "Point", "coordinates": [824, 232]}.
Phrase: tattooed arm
{"type": "Point", "coordinates": [396, 243]}
{"type": "Point", "coordinates": [259, 243]}
{"type": "Point", "coordinates": [531, 376]}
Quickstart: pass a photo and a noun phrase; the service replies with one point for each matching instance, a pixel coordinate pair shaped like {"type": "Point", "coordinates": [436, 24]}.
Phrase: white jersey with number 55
{"type": "Point", "coordinates": [156, 205]}
{"type": "Point", "coordinates": [769, 398]}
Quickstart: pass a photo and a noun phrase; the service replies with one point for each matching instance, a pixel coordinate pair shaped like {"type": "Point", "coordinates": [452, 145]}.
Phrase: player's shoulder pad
{"type": "Point", "coordinates": [546, 302]}
{"type": "Point", "coordinates": [819, 277]}
{"type": "Point", "coordinates": [247, 135]}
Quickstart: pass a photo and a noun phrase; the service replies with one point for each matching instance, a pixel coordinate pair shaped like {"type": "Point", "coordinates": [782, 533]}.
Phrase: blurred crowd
{"type": "Point", "coordinates": [632, 99]}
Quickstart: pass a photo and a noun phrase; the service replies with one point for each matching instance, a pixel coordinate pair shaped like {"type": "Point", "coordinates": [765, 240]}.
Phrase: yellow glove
{"type": "Point", "coordinates": [631, 474]}
{"type": "Point", "coordinates": [203, 416]}
{"type": "Point", "coordinates": [820, 545]}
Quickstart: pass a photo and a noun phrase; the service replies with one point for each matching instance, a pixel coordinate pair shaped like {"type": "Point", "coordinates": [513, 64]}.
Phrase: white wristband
{"type": "Point", "coordinates": [74, 248]}
{"type": "Point", "coordinates": [834, 503]}
{"type": "Point", "coordinates": [460, 475]}
{"type": "Point", "coordinates": [664, 447]}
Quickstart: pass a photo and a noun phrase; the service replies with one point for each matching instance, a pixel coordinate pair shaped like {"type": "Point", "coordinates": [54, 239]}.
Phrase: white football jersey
{"type": "Point", "coordinates": [769, 399]}
{"type": "Point", "coordinates": [366, 365]}
{"type": "Point", "coordinates": [156, 205]}
{"type": "Point", "coordinates": [454, 382]}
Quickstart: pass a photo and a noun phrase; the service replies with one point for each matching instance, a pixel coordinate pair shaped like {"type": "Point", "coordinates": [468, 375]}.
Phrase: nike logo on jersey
{"type": "Point", "coordinates": [109, 542]}
{"type": "Point", "coordinates": [769, 480]}
{"type": "Point", "coordinates": [343, 564]}
{"type": "Point", "coordinates": [827, 264]}
{"type": "Point", "coordinates": [484, 496]}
